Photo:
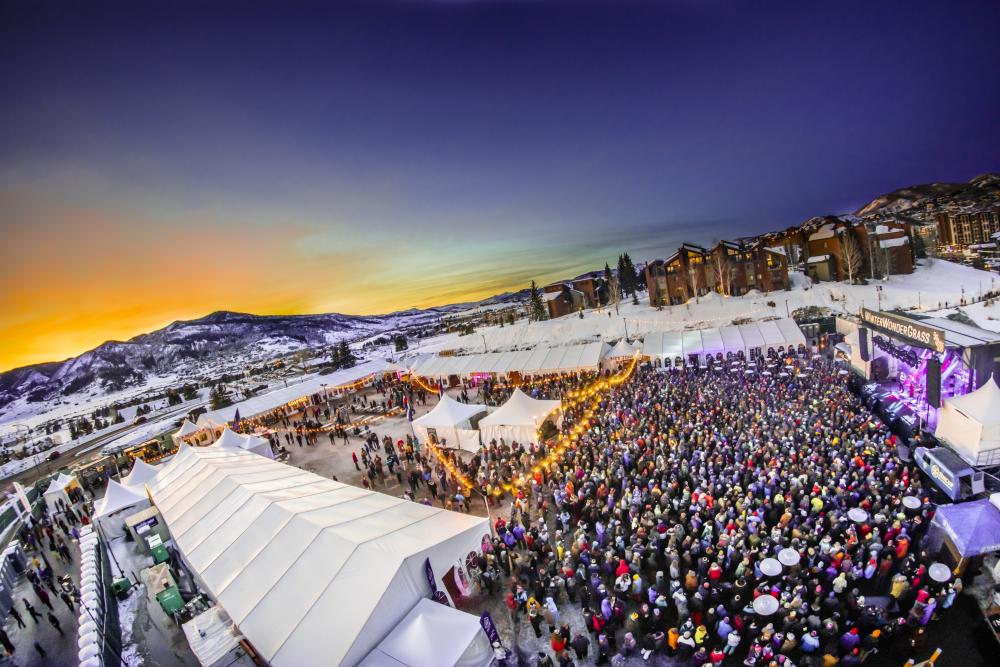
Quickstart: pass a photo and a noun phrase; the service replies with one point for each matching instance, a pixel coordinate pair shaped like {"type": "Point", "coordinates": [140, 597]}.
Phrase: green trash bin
{"type": "Point", "coordinates": [160, 554]}
{"type": "Point", "coordinates": [121, 586]}
{"type": "Point", "coordinates": [170, 600]}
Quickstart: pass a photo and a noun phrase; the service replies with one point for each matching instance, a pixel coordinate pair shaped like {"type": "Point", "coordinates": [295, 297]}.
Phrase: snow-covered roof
{"type": "Point", "coordinates": [283, 550]}
{"type": "Point", "coordinates": [541, 359]}
{"type": "Point", "coordinates": [777, 250]}
{"type": "Point", "coordinates": [827, 231]}
{"type": "Point", "coordinates": [551, 296]}
{"type": "Point", "coordinates": [893, 243]}
{"type": "Point", "coordinates": [140, 474]}
{"type": "Point", "coordinates": [816, 259]}
{"type": "Point", "coordinates": [734, 338]}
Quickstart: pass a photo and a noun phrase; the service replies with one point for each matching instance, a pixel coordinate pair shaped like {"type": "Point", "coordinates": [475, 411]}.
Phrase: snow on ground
{"type": "Point", "coordinates": [127, 611]}
{"type": "Point", "coordinates": [933, 285]}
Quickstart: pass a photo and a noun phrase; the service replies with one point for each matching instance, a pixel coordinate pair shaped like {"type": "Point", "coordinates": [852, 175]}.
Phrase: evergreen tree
{"type": "Point", "coordinates": [626, 276]}
{"type": "Point", "coordinates": [218, 398]}
{"type": "Point", "coordinates": [608, 283]}
{"type": "Point", "coordinates": [345, 355]}
{"type": "Point", "coordinates": [536, 307]}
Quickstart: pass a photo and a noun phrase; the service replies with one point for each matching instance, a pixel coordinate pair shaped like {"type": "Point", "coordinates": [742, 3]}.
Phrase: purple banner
{"type": "Point", "coordinates": [429, 572]}
{"type": "Point", "coordinates": [489, 628]}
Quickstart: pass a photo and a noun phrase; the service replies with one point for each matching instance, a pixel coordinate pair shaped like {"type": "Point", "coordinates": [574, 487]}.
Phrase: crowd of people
{"type": "Point", "coordinates": [656, 524]}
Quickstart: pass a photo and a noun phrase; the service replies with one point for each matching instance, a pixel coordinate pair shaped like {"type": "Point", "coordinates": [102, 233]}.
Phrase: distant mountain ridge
{"type": "Point", "coordinates": [190, 345]}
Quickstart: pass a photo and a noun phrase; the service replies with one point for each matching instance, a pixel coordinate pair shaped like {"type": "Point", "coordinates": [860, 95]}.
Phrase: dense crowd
{"type": "Point", "coordinates": [655, 525]}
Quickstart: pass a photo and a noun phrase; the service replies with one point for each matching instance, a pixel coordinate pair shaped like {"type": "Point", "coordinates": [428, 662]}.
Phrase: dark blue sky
{"type": "Point", "coordinates": [476, 144]}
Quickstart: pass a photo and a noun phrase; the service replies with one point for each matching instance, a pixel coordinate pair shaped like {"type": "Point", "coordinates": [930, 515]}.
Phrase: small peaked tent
{"type": "Point", "coordinates": [186, 430]}
{"type": "Point", "coordinates": [232, 440]}
{"type": "Point", "coordinates": [118, 499]}
{"type": "Point", "coordinates": [433, 635]}
{"type": "Point", "coordinates": [58, 489]}
{"type": "Point", "coordinates": [973, 528]}
{"type": "Point", "coordinates": [622, 349]}
{"type": "Point", "coordinates": [450, 421]}
{"type": "Point", "coordinates": [970, 424]}
{"type": "Point", "coordinates": [141, 473]}
{"type": "Point", "coordinates": [518, 419]}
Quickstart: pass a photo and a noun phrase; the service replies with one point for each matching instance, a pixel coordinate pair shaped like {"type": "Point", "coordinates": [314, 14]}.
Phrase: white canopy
{"type": "Point", "coordinates": [251, 443]}
{"type": "Point", "coordinates": [433, 635]}
{"type": "Point", "coordinates": [186, 429]}
{"type": "Point", "coordinates": [670, 345]}
{"type": "Point", "coordinates": [518, 419]}
{"type": "Point", "coordinates": [312, 571]}
{"type": "Point", "coordinates": [562, 359]}
{"type": "Point", "coordinates": [141, 473]}
{"type": "Point", "coordinates": [57, 489]}
{"type": "Point", "coordinates": [970, 424]}
{"type": "Point", "coordinates": [622, 348]}
{"type": "Point", "coordinates": [117, 498]}
{"type": "Point", "coordinates": [450, 421]}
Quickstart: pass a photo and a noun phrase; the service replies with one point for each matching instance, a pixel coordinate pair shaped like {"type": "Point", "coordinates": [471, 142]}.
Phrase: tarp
{"type": "Point", "coordinates": [141, 473]}
{"type": "Point", "coordinates": [312, 571]}
{"type": "Point", "coordinates": [447, 418]}
{"type": "Point", "coordinates": [212, 638]}
{"type": "Point", "coordinates": [970, 424]}
{"type": "Point", "coordinates": [433, 635]}
{"type": "Point", "coordinates": [974, 527]}
{"type": "Point", "coordinates": [518, 419]}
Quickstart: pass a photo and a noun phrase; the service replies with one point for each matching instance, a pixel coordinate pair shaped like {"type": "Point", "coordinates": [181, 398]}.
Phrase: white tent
{"type": "Point", "coordinates": [433, 635]}
{"type": "Point", "coordinates": [58, 490]}
{"type": "Point", "coordinates": [251, 443]}
{"type": "Point", "coordinates": [186, 430]}
{"type": "Point", "coordinates": [450, 421]}
{"type": "Point", "coordinates": [622, 349]}
{"type": "Point", "coordinates": [518, 419]}
{"type": "Point", "coordinates": [970, 424]}
{"type": "Point", "coordinates": [118, 500]}
{"type": "Point", "coordinates": [312, 571]}
{"type": "Point", "coordinates": [141, 473]}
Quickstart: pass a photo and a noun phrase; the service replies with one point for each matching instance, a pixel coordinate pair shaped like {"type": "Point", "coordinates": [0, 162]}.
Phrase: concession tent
{"type": "Point", "coordinates": [972, 528]}
{"type": "Point", "coordinates": [58, 490]}
{"type": "Point", "coordinates": [970, 424]}
{"type": "Point", "coordinates": [433, 635]}
{"type": "Point", "coordinates": [312, 571]}
{"type": "Point", "coordinates": [251, 443]}
{"type": "Point", "coordinates": [186, 430]}
{"type": "Point", "coordinates": [110, 511]}
{"type": "Point", "coordinates": [451, 423]}
{"type": "Point", "coordinates": [141, 473]}
{"type": "Point", "coordinates": [518, 419]}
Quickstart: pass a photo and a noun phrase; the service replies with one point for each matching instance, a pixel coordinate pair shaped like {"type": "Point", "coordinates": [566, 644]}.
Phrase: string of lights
{"type": "Point", "coordinates": [452, 470]}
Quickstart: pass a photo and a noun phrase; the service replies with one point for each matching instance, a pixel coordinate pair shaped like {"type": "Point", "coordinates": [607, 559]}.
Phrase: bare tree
{"type": "Point", "coordinates": [614, 292]}
{"type": "Point", "coordinates": [850, 255]}
{"type": "Point", "coordinates": [722, 270]}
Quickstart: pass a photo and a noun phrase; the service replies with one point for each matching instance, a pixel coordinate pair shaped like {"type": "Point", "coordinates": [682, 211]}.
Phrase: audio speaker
{"type": "Point", "coordinates": [863, 344]}
{"type": "Point", "coordinates": [934, 382]}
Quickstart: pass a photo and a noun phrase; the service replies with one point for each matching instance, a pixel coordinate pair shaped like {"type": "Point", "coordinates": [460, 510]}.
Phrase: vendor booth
{"type": "Point", "coordinates": [967, 530]}
{"type": "Point", "coordinates": [622, 351]}
{"type": "Point", "coordinates": [118, 502]}
{"type": "Point", "coordinates": [451, 423]}
{"type": "Point", "coordinates": [518, 419]}
{"type": "Point", "coordinates": [312, 571]}
{"type": "Point", "coordinates": [250, 443]}
{"type": "Point", "coordinates": [433, 635]}
{"type": "Point", "coordinates": [185, 433]}
{"type": "Point", "coordinates": [970, 424]}
{"type": "Point", "coordinates": [59, 489]}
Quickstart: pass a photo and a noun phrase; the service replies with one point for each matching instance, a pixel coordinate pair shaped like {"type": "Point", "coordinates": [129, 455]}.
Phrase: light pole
{"type": "Point", "coordinates": [483, 336]}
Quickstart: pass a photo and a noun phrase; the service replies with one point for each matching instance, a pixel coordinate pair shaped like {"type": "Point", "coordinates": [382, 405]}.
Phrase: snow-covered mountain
{"type": "Point", "coordinates": [217, 343]}
{"type": "Point", "coordinates": [939, 196]}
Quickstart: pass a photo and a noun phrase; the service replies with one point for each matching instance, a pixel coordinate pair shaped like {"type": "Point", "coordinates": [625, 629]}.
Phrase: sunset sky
{"type": "Point", "coordinates": [159, 161]}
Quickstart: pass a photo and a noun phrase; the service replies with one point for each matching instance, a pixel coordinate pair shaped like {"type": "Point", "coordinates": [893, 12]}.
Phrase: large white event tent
{"type": "Point", "coordinates": [518, 419]}
{"type": "Point", "coordinates": [312, 571]}
{"type": "Point", "coordinates": [759, 337]}
{"type": "Point", "coordinates": [141, 473]}
{"type": "Point", "coordinates": [450, 421]}
{"type": "Point", "coordinates": [251, 443]}
{"type": "Point", "coordinates": [110, 510]}
{"type": "Point", "coordinates": [970, 424]}
{"type": "Point", "coordinates": [433, 635]}
{"type": "Point", "coordinates": [541, 360]}
{"type": "Point", "coordinates": [256, 405]}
